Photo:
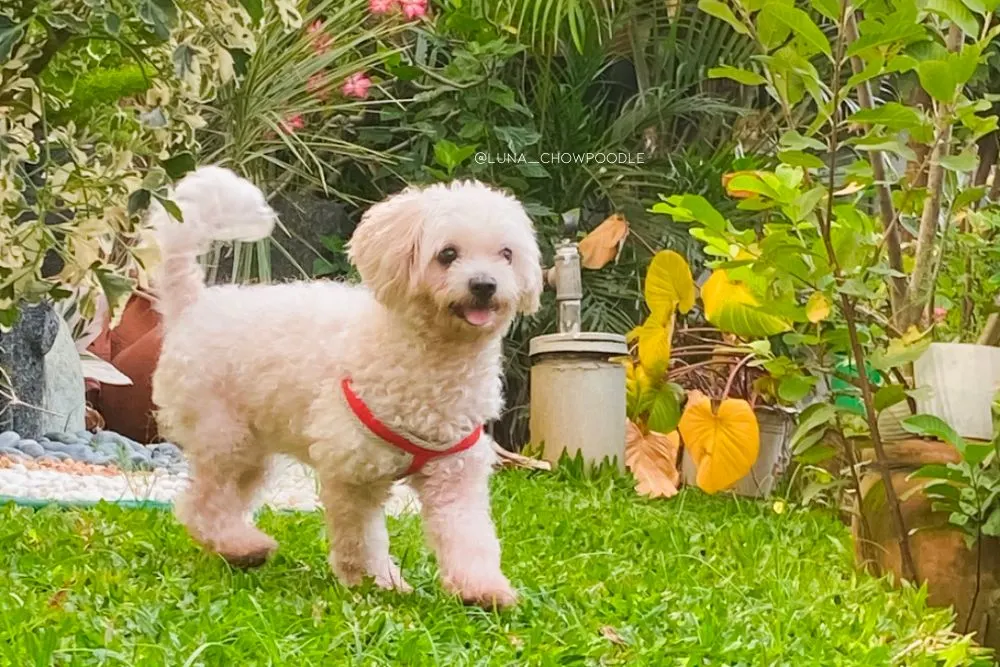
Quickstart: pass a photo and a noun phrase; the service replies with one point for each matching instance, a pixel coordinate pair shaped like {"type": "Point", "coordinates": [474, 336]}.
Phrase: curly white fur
{"type": "Point", "coordinates": [250, 371]}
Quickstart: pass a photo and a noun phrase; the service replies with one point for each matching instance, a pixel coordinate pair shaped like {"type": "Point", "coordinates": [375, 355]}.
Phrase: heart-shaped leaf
{"type": "Point", "coordinates": [668, 283]}
{"type": "Point", "coordinates": [731, 306]}
{"type": "Point", "coordinates": [724, 442]}
{"type": "Point", "coordinates": [654, 341]}
{"type": "Point", "coordinates": [652, 458]}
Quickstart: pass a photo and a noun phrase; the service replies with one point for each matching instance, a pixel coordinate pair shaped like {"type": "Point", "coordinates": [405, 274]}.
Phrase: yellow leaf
{"type": "Point", "coordinates": [668, 283]}
{"type": "Point", "coordinates": [654, 341]}
{"type": "Point", "coordinates": [723, 442]}
{"type": "Point", "coordinates": [652, 458]}
{"type": "Point", "coordinates": [601, 245]}
{"type": "Point", "coordinates": [731, 306]}
{"type": "Point", "coordinates": [817, 308]}
{"type": "Point", "coordinates": [849, 189]}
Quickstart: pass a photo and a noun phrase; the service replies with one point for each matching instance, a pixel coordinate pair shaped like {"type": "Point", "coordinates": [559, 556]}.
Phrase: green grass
{"type": "Point", "coordinates": [607, 579]}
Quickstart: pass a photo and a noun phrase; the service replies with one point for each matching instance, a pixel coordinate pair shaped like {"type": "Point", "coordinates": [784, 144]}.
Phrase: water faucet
{"type": "Point", "coordinates": [565, 277]}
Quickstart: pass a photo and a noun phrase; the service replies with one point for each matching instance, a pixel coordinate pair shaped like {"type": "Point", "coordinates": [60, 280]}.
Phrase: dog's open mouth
{"type": "Point", "coordinates": [477, 316]}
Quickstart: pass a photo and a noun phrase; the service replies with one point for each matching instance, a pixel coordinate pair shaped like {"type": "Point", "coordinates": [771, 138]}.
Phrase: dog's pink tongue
{"type": "Point", "coordinates": [477, 317]}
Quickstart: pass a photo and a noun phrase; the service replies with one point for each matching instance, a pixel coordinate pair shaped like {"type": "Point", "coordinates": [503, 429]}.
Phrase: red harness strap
{"type": "Point", "coordinates": [421, 455]}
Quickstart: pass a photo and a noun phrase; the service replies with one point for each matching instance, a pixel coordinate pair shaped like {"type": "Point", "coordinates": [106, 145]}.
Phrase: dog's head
{"type": "Point", "coordinates": [462, 253]}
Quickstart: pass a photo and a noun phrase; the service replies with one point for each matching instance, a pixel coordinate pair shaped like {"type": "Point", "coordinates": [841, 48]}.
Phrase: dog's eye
{"type": "Point", "coordinates": [448, 255]}
{"type": "Point", "coordinates": [507, 254]}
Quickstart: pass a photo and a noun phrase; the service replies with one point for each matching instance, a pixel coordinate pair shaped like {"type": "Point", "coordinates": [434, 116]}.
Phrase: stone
{"type": "Point", "coordinates": [84, 436]}
{"type": "Point", "coordinates": [11, 452]}
{"type": "Point", "coordinates": [64, 398]}
{"type": "Point", "coordinates": [31, 448]}
{"type": "Point", "coordinates": [65, 438]}
{"type": "Point", "coordinates": [9, 439]}
{"type": "Point", "coordinates": [22, 358]}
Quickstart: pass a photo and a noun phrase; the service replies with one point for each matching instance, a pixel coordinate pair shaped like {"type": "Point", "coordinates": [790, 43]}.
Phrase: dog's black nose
{"type": "Point", "coordinates": [483, 287]}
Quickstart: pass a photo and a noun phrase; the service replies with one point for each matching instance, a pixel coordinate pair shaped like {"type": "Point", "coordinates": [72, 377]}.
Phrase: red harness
{"type": "Point", "coordinates": [421, 455]}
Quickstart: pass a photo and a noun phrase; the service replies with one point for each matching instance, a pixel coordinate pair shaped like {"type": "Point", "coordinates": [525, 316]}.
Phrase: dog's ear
{"type": "Point", "coordinates": [528, 266]}
{"type": "Point", "coordinates": [385, 246]}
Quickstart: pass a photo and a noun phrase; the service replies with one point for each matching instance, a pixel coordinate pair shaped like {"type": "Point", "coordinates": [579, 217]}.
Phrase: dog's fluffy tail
{"type": "Point", "coordinates": [216, 205]}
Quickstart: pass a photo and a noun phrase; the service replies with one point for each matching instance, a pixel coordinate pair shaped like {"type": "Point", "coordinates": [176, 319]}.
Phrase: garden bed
{"type": "Point", "coordinates": [605, 576]}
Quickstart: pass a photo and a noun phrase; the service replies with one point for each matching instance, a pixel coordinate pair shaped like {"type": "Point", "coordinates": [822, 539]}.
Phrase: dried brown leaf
{"type": "Point", "coordinates": [612, 635]}
{"type": "Point", "coordinates": [601, 245]}
{"type": "Point", "coordinates": [652, 458]}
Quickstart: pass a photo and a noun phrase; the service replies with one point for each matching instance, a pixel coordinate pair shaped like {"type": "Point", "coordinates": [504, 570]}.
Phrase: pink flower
{"type": "Point", "coordinates": [940, 313]}
{"type": "Point", "coordinates": [381, 6]}
{"type": "Point", "coordinates": [292, 123]}
{"type": "Point", "coordinates": [318, 86]}
{"type": "Point", "coordinates": [321, 41]}
{"type": "Point", "coordinates": [414, 9]}
{"type": "Point", "coordinates": [357, 85]}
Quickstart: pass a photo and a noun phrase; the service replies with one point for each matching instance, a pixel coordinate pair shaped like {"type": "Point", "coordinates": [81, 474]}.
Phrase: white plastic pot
{"type": "Point", "coordinates": [963, 379]}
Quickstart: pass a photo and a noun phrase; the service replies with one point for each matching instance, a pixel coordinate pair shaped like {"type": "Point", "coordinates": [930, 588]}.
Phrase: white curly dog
{"type": "Point", "coordinates": [368, 384]}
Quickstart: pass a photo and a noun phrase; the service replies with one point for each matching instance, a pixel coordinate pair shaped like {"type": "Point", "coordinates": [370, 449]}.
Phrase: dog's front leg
{"type": "Point", "coordinates": [359, 540]}
{"type": "Point", "coordinates": [454, 495]}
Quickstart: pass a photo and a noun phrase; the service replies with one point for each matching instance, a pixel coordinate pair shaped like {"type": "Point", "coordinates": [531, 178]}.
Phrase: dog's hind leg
{"type": "Point", "coordinates": [226, 473]}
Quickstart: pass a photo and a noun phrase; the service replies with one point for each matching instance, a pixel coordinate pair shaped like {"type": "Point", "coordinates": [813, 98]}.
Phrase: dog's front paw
{"type": "Point", "coordinates": [489, 592]}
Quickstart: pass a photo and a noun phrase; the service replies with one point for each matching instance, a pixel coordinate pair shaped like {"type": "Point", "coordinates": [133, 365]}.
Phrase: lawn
{"type": "Point", "coordinates": [607, 578]}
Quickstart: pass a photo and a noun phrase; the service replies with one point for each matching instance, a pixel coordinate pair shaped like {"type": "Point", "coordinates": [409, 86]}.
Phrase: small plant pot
{"type": "Point", "coordinates": [776, 428]}
{"type": "Point", "coordinates": [942, 559]}
{"type": "Point", "coordinates": [963, 379]}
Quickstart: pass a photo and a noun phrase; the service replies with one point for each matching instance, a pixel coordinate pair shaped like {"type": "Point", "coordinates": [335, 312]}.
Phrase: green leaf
{"type": "Point", "coordinates": [666, 411]}
{"type": "Point", "coordinates": [893, 115]}
{"type": "Point", "coordinates": [10, 34]}
{"type": "Point", "coordinates": [798, 22]}
{"type": "Point", "coordinates": [183, 59]}
{"type": "Point", "coordinates": [965, 161]}
{"type": "Point", "coordinates": [991, 526]}
{"type": "Point", "coordinates": [816, 415]}
{"type": "Point", "coordinates": [112, 24]}
{"type": "Point", "coordinates": [793, 141]}
{"type": "Point", "coordinates": [746, 77]}
{"type": "Point", "coordinates": [692, 208]}
{"type": "Point", "coordinates": [721, 10]}
{"type": "Point", "coordinates": [138, 201]}
{"type": "Point", "coordinates": [976, 454]}
{"type": "Point", "coordinates": [889, 395]}
{"type": "Point", "coordinates": [449, 155]}
{"type": "Point", "coordinates": [818, 454]}
{"type": "Point", "coordinates": [793, 388]}
{"type": "Point", "coordinates": [171, 207]}
{"type": "Point", "coordinates": [828, 8]}
{"type": "Point", "coordinates": [178, 165]}
{"type": "Point", "coordinates": [938, 78]}
{"type": "Point", "coordinates": [968, 196]}
{"type": "Point", "coordinates": [801, 159]}
{"type": "Point", "coordinates": [938, 471]}
{"type": "Point", "coordinates": [116, 288]}
{"type": "Point", "coordinates": [956, 12]}
{"type": "Point", "coordinates": [933, 427]}
{"type": "Point", "coordinates": [517, 138]}
{"type": "Point", "coordinates": [899, 352]}
{"type": "Point", "coordinates": [159, 15]}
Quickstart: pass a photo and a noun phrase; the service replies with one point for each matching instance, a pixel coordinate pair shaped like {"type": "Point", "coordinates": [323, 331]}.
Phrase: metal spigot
{"type": "Point", "coordinates": [565, 277]}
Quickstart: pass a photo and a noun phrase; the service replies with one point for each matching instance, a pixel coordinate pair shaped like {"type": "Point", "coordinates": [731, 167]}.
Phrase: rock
{"type": "Point", "coordinates": [22, 356]}
{"type": "Point", "coordinates": [64, 400]}
{"type": "Point", "coordinates": [31, 448]}
{"type": "Point", "coordinates": [65, 438]}
{"type": "Point", "coordinates": [9, 439]}
{"type": "Point", "coordinates": [12, 452]}
{"type": "Point", "coordinates": [84, 436]}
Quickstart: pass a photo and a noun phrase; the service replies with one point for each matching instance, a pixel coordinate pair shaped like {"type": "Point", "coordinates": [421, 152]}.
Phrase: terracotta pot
{"type": "Point", "coordinates": [133, 347]}
{"type": "Point", "coordinates": [940, 554]}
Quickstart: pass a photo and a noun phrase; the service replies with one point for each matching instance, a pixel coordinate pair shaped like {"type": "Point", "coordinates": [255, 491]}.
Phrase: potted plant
{"type": "Point", "coordinates": [833, 256]}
